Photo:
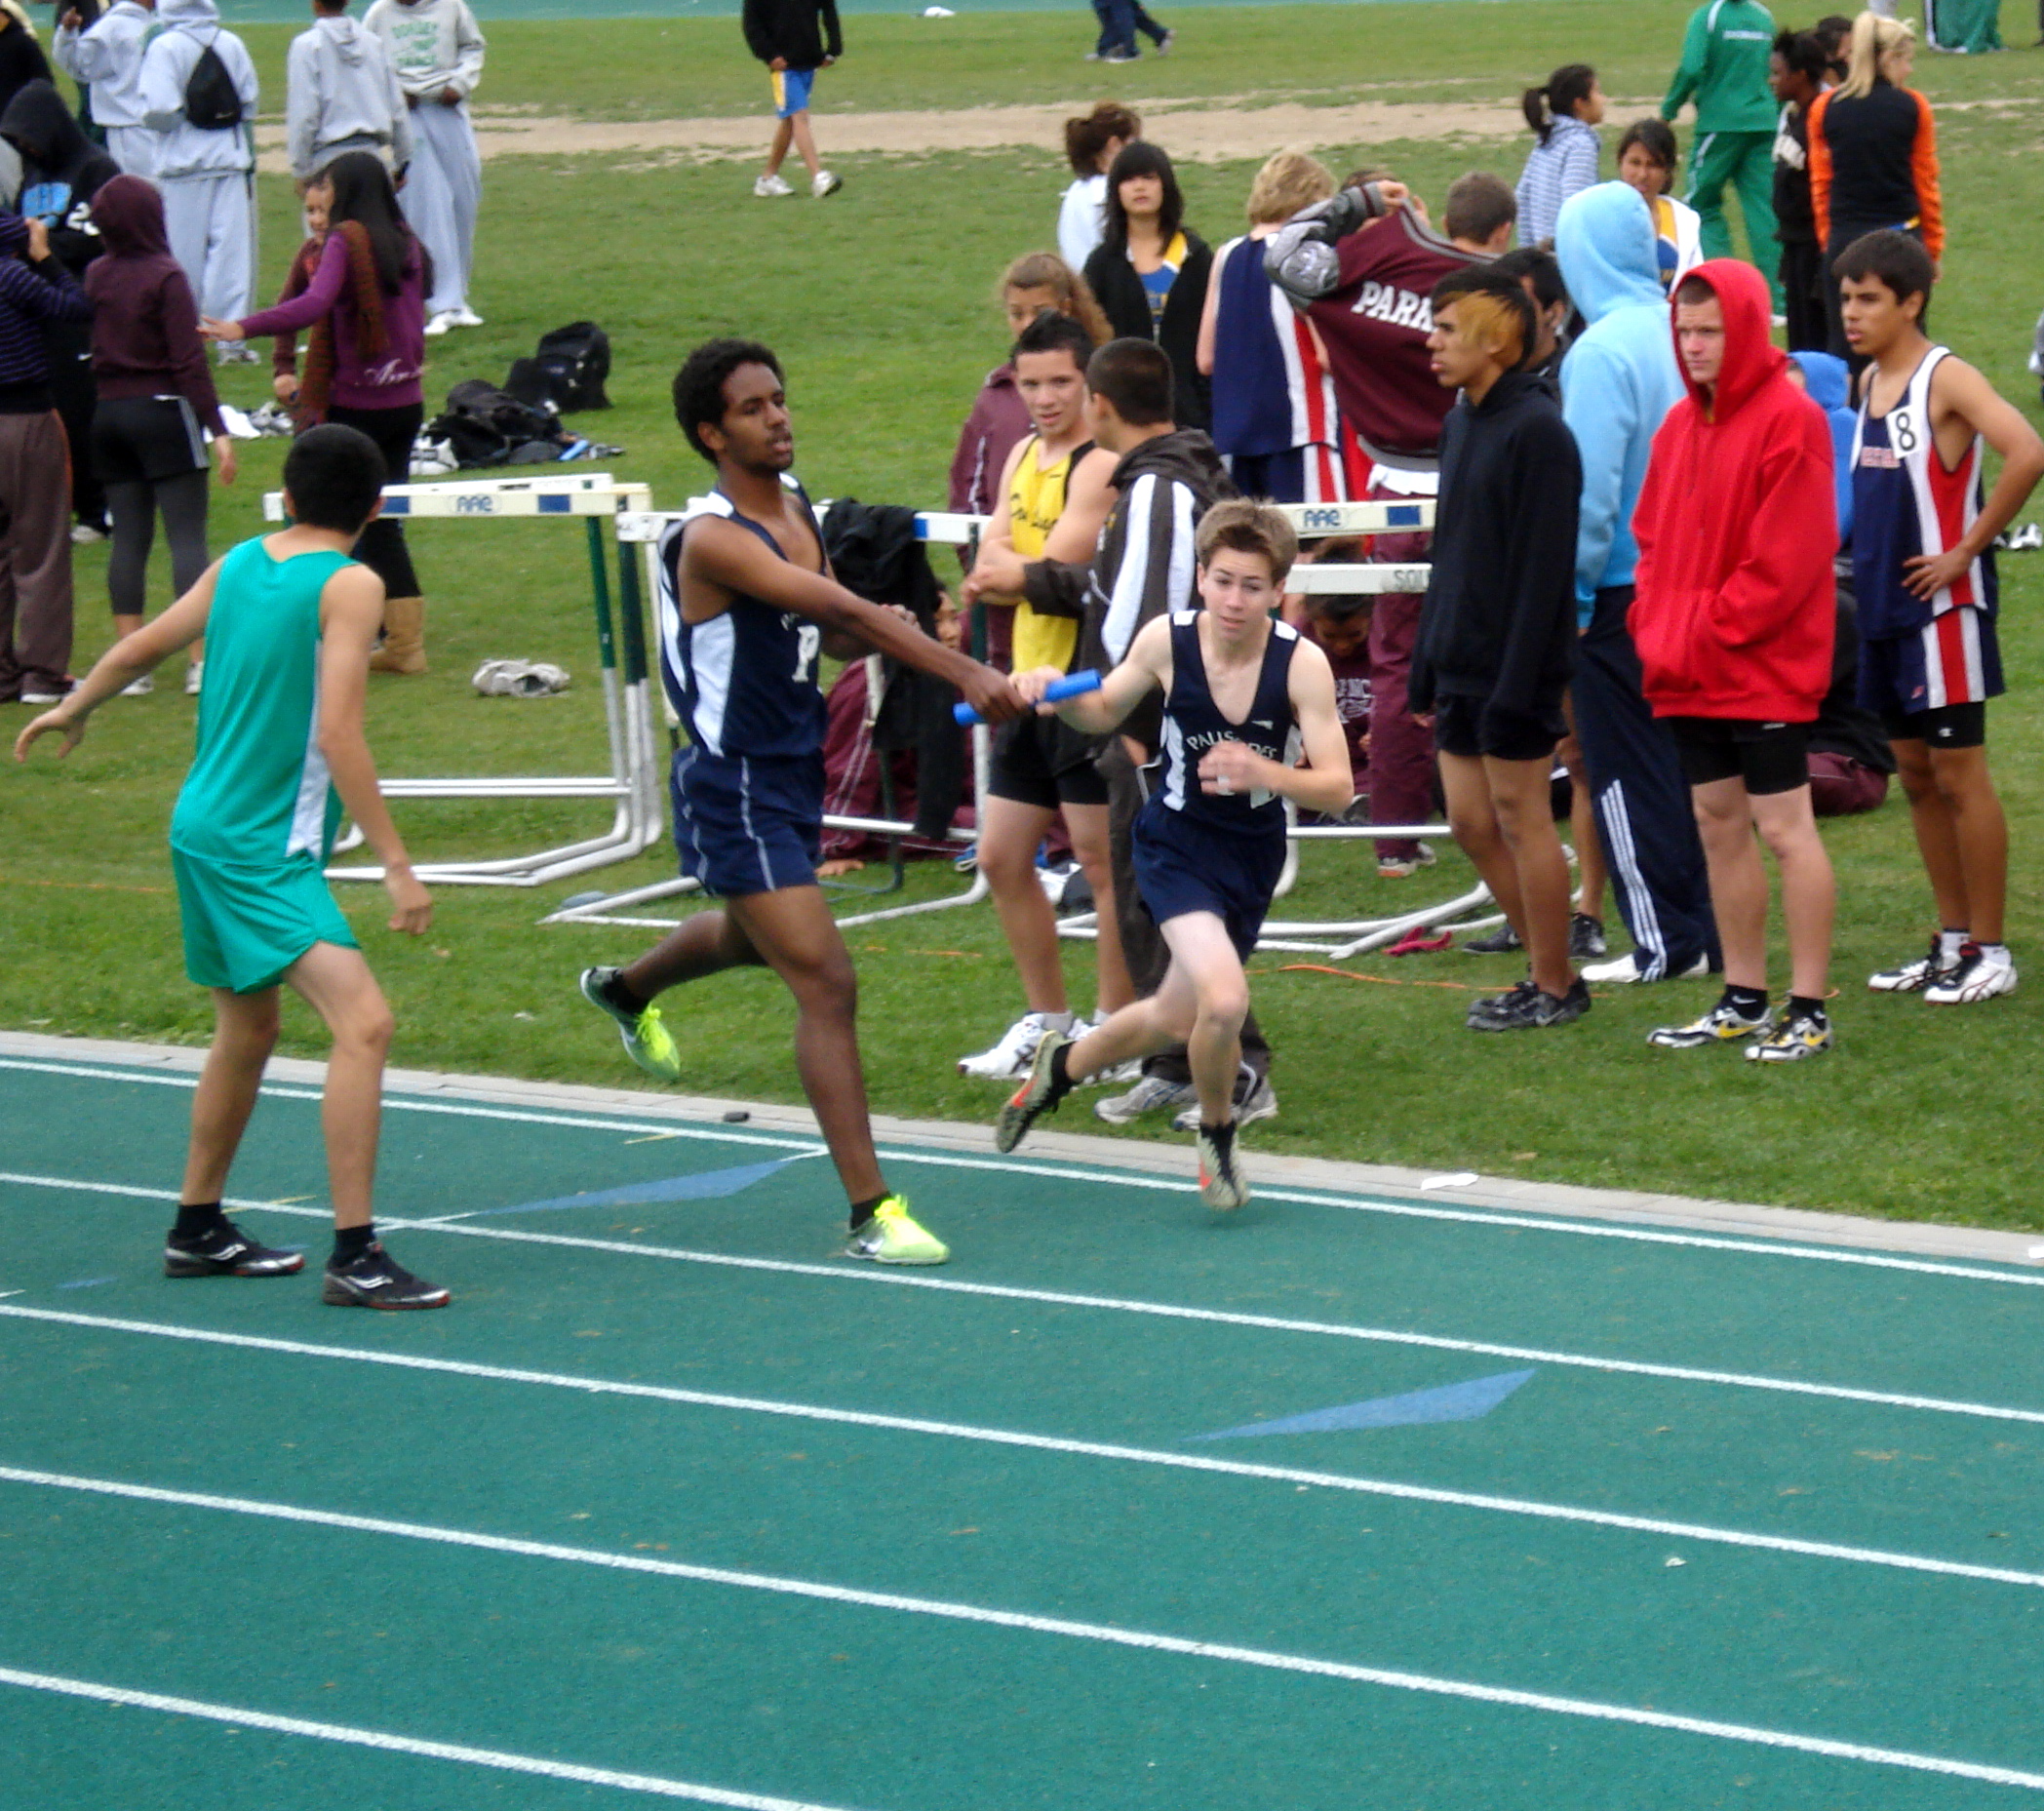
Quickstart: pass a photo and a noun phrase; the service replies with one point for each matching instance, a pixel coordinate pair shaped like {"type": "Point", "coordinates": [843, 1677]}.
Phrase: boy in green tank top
{"type": "Point", "coordinates": [289, 622]}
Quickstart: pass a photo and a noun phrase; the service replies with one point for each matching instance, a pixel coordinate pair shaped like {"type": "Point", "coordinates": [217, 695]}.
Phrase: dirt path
{"type": "Point", "coordinates": [1200, 131]}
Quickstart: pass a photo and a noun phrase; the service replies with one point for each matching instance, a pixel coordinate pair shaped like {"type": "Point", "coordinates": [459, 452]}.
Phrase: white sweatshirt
{"type": "Point", "coordinates": [433, 45]}
{"type": "Point", "coordinates": [108, 58]}
{"type": "Point", "coordinates": [341, 87]}
{"type": "Point", "coordinates": [182, 148]}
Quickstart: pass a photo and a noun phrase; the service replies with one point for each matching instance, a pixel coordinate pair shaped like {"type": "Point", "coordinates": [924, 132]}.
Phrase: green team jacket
{"type": "Point", "coordinates": [1724, 68]}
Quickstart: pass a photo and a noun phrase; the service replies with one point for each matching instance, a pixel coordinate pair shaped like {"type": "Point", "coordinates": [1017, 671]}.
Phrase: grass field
{"type": "Point", "coordinates": [880, 302]}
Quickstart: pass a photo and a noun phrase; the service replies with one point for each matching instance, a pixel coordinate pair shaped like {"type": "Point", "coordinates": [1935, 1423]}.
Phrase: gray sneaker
{"type": "Point", "coordinates": [1254, 1099]}
{"type": "Point", "coordinates": [1152, 1094]}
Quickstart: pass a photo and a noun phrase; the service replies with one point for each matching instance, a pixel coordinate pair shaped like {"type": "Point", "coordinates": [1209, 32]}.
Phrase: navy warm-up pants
{"type": "Point", "coordinates": [1643, 809]}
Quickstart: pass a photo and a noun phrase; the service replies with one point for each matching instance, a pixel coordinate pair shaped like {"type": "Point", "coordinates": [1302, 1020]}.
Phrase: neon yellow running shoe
{"type": "Point", "coordinates": [647, 1041]}
{"type": "Point", "coordinates": [891, 1236]}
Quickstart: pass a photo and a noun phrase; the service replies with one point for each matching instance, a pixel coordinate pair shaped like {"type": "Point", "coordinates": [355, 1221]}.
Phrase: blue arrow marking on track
{"type": "Point", "coordinates": [1467, 1401]}
{"type": "Point", "coordinates": [712, 1185]}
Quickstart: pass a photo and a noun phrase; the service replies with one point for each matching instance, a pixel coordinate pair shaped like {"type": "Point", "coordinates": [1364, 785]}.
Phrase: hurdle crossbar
{"type": "Point", "coordinates": [594, 498]}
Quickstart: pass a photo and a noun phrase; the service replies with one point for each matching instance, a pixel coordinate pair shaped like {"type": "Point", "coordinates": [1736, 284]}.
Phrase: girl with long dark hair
{"type": "Point", "coordinates": [1150, 273]}
{"type": "Point", "coordinates": [366, 308]}
{"type": "Point", "coordinates": [1564, 116]}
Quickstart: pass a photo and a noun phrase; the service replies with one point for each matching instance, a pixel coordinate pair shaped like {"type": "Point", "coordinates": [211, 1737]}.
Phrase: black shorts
{"type": "Point", "coordinates": [1949, 725]}
{"type": "Point", "coordinates": [1042, 760]}
{"type": "Point", "coordinates": [1472, 728]}
{"type": "Point", "coordinates": [146, 438]}
{"type": "Point", "coordinates": [1770, 758]}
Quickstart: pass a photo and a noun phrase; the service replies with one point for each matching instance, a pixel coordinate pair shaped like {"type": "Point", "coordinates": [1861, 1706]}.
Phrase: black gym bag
{"type": "Point", "coordinates": [567, 371]}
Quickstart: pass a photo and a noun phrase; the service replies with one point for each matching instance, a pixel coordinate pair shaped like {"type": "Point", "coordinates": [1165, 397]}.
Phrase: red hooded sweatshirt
{"type": "Point", "coordinates": [1737, 524]}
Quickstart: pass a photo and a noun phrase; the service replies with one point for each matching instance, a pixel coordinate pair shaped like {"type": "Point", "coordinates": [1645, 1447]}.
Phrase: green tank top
{"type": "Point", "coordinates": [258, 792]}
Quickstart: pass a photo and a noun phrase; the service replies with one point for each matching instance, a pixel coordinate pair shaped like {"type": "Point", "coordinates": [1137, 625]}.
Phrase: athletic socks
{"type": "Point", "coordinates": [1949, 943]}
{"type": "Point", "coordinates": [1800, 1007]}
{"type": "Point", "coordinates": [1748, 1001]}
{"type": "Point", "coordinates": [350, 1242]}
{"type": "Point", "coordinates": [862, 1212]}
{"type": "Point", "coordinates": [1061, 1083]}
{"type": "Point", "coordinates": [1995, 955]}
{"type": "Point", "coordinates": [195, 1219]}
{"type": "Point", "coordinates": [1222, 1138]}
{"type": "Point", "coordinates": [621, 996]}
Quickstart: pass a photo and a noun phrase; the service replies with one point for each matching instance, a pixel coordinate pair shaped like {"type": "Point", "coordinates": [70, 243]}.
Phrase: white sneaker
{"type": "Point", "coordinates": [194, 677]}
{"type": "Point", "coordinates": [84, 535]}
{"type": "Point", "coordinates": [825, 184]}
{"type": "Point", "coordinates": [463, 316]}
{"type": "Point", "coordinates": [767, 187]}
{"type": "Point", "coordinates": [1010, 1059]}
{"type": "Point", "coordinates": [442, 323]}
{"type": "Point", "coordinates": [1152, 1094]}
{"type": "Point", "coordinates": [1623, 971]}
{"type": "Point", "coordinates": [138, 688]}
{"type": "Point", "coordinates": [1974, 979]}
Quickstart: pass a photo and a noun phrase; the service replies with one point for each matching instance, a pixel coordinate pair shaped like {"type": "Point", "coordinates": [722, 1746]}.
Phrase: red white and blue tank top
{"type": "Point", "coordinates": [1906, 502]}
{"type": "Point", "coordinates": [1272, 389]}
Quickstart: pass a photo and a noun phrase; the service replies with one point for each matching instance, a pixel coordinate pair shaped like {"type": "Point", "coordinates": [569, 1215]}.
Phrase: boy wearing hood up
{"type": "Point", "coordinates": [1618, 383]}
{"type": "Point", "coordinates": [1734, 621]}
{"type": "Point", "coordinates": [437, 52]}
{"type": "Point", "coordinates": [106, 57]}
{"type": "Point", "coordinates": [206, 172]}
{"type": "Point", "coordinates": [342, 95]}
{"type": "Point", "coordinates": [62, 173]}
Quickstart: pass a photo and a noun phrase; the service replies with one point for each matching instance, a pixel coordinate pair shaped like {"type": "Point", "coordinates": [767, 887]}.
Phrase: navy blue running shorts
{"type": "Point", "coordinates": [1183, 866]}
{"type": "Point", "coordinates": [747, 826]}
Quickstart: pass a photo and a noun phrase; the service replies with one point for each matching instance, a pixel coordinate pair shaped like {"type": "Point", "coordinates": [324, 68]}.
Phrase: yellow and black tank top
{"type": "Point", "coordinates": [1035, 499]}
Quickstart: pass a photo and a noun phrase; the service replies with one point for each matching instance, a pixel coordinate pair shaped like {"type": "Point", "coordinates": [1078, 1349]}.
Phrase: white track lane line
{"type": "Point", "coordinates": [351, 1737]}
{"type": "Point", "coordinates": [1295, 1476]}
{"type": "Point", "coordinates": [1055, 1172]}
{"type": "Point", "coordinates": [1108, 1633]}
{"type": "Point", "coordinates": [1054, 1298]}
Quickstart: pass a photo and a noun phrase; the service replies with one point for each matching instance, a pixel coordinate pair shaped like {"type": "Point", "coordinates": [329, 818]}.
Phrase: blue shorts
{"type": "Point", "coordinates": [791, 91]}
{"type": "Point", "coordinates": [744, 826]}
{"type": "Point", "coordinates": [1181, 866]}
{"type": "Point", "coordinates": [1954, 659]}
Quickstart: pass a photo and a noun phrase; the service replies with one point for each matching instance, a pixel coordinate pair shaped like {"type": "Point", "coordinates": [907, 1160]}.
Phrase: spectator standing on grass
{"type": "Point", "coordinates": [1275, 421]}
{"type": "Point", "coordinates": [1151, 273]}
{"type": "Point", "coordinates": [1618, 383]}
{"type": "Point", "coordinates": [1723, 70]}
{"type": "Point", "coordinates": [62, 173]}
{"type": "Point", "coordinates": [437, 51]}
{"type": "Point", "coordinates": [1362, 267]}
{"type": "Point", "coordinates": [1873, 156]}
{"type": "Point", "coordinates": [1119, 21]}
{"type": "Point", "coordinates": [366, 308]}
{"type": "Point", "coordinates": [35, 493]}
{"type": "Point", "coordinates": [1734, 621]}
{"type": "Point", "coordinates": [1000, 419]}
{"type": "Point", "coordinates": [1092, 142]}
{"type": "Point", "coordinates": [105, 58]}
{"type": "Point", "coordinates": [304, 266]}
{"type": "Point", "coordinates": [1496, 636]}
{"type": "Point", "coordinates": [343, 96]}
{"type": "Point", "coordinates": [1564, 116]}
{"type": "Point", "coordinates": [157, 407]}
{"type": "Point", "coordinates": [1646, 161]}
{"type": "Point", "coordinates": [794, 39]}
{"type": "Point", "coordinates": [1795, 71]}
{"type": "Point", "coordinates": [205, 164]}
{"type": "Point", "coordinates": [1834, 32]}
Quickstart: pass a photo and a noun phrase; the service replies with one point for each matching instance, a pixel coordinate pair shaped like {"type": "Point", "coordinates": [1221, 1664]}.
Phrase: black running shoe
{"type": "Point", "coordinates": [226, 1252]}
{"type": "Point", "coordinates": [1499, 1005]}
{"type": "Point", "coordinates": [377, 1280]}
{"type": "Point", "coordinates": [1501, 942]}
{"type": "Point", "coordinates": [1531, 1009]}
{"type": "Point", "coordinates": [1586, 937]}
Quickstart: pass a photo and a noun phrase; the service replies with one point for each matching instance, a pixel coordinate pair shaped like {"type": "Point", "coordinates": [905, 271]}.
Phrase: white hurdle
{"type": "Point", "coordinates": [643, 529]}
{"type": "Point", "coordinates": [634, 784]}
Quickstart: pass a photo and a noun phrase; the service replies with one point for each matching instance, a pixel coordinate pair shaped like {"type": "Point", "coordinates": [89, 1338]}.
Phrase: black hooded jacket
{"type": "Point", "coordinates": [1499, 623]}
{"type": "Point", "coordinates": [62, 171]}
{"type": "Point", "coordinates": [802, 33]}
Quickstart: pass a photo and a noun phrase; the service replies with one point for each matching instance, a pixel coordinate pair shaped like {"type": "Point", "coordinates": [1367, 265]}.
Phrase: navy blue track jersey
{"type": "Point", "coordinates": [1194, 724]}
{"type": "Point", "coordinates": [743, 682]}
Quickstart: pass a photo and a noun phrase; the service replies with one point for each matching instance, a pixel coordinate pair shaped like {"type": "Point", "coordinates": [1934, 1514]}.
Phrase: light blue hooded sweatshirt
{"type": "Point", "coordinates": [1828, 381]}
{"type": "Point", "coordinates": [1619, 377]}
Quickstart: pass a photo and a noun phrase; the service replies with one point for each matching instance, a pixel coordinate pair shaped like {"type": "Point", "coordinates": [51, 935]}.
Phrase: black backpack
{"type": "Point", "coordinates": [212, 102]}
{"type": "Point", "coordinates": [568, 369]}
{"type": "Point", "coordinates": [484, 427]}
